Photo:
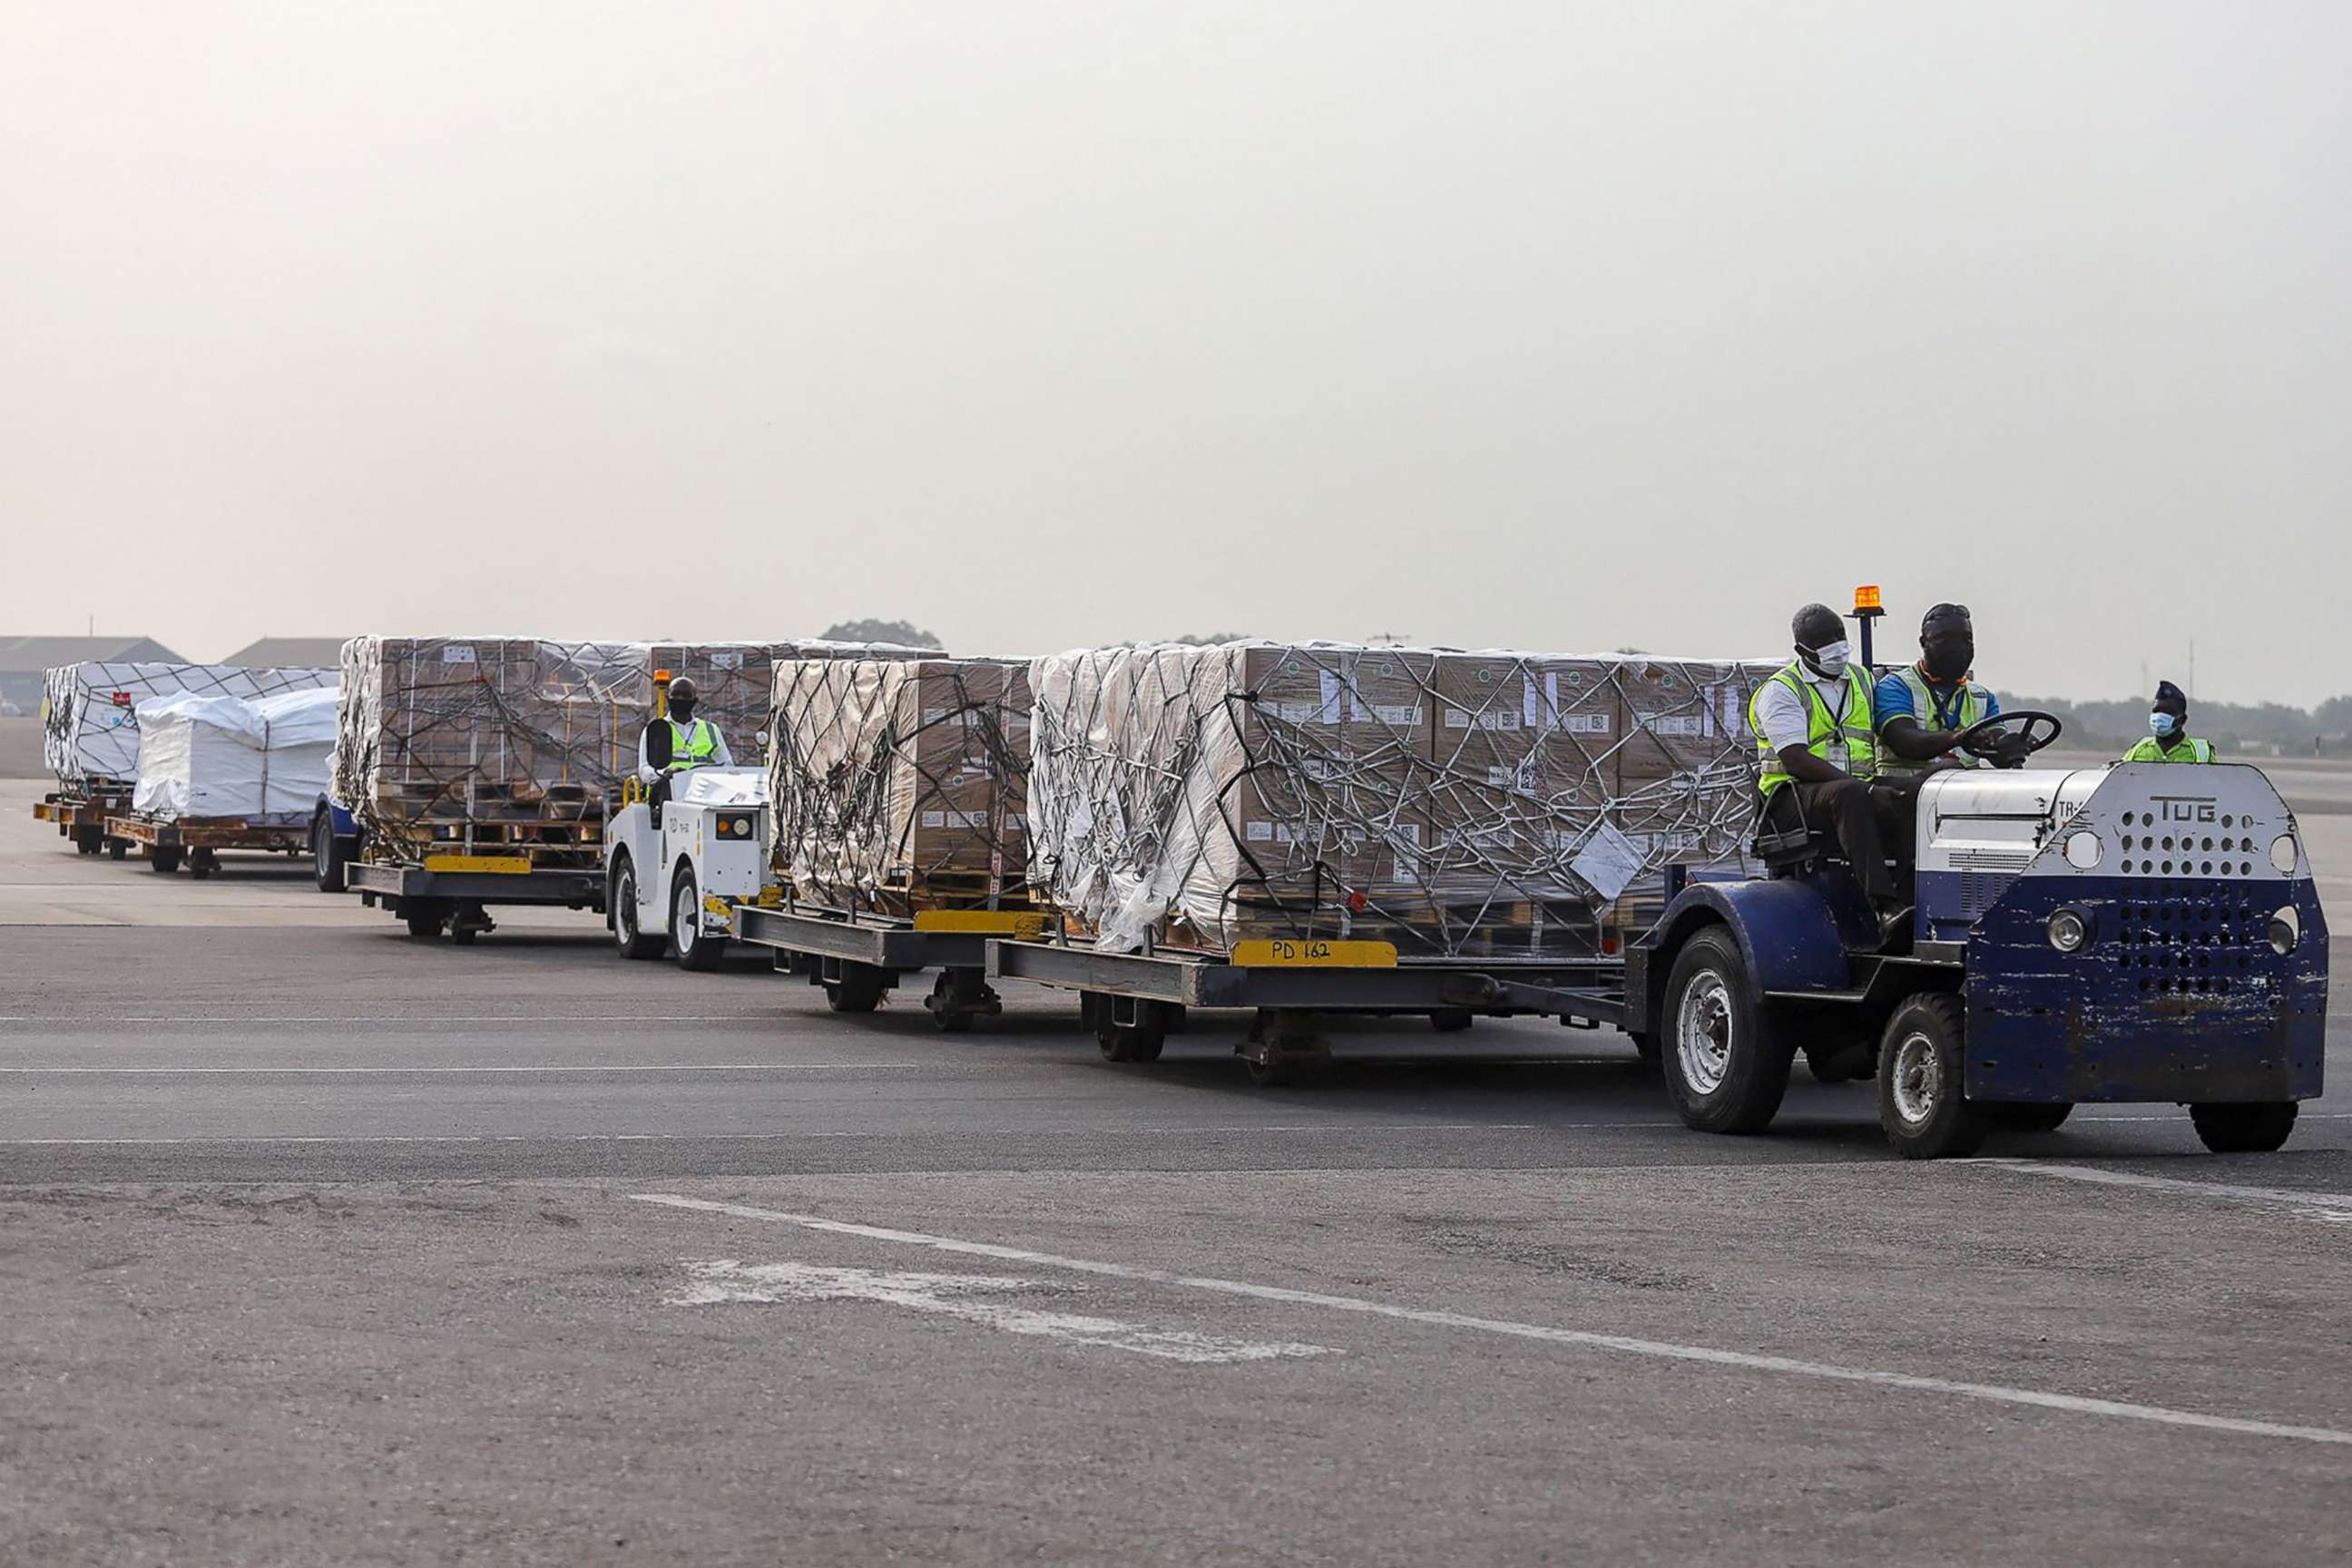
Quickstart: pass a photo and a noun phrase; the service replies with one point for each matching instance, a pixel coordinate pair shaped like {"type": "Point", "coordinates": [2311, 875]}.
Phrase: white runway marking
{"type": "Point", "coordinates": [2316, 1205]}
{"type": "Point", "coordinates": [1586, 1339]}
{"type": "Point", "coordinates": [953, 1296]}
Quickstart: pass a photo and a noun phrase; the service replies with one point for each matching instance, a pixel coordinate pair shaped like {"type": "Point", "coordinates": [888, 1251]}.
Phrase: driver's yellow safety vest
{"type": "Point", "coordinates": [2192, 750]}
{"type": "Point", "coordinates": [1936, 710]}
{"type": "Point", "coordinates": [1826, 728]}
{"type": "Point", "coordinates": [691, 745]}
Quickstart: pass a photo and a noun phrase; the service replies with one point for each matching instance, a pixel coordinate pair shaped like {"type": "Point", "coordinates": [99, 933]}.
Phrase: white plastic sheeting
{"type": "Point", "coordinates": [262, 759]}
{"type": "Point", "coordinates": [90, 712]}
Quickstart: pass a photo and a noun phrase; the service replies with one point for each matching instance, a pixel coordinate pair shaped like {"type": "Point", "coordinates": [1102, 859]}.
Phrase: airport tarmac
{"type": "Point", "coordinates": [325, 1245]}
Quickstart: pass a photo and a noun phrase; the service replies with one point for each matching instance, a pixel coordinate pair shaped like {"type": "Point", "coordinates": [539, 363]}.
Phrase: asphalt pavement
{"type": "Point", "coordinates": [321, 1244]}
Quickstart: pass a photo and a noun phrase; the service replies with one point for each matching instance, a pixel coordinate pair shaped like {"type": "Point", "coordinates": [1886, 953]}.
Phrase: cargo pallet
{"type": "Point", "coordinates": [198, 840]}
{"type": "Point", "coordinates": [858, 955]}
{"type": "Point", "coordinates": [1134, 1000]}
{"type": "Point", "coordinates": [82, 819]}
{"type": "Point", "coordinates": [452, 892]}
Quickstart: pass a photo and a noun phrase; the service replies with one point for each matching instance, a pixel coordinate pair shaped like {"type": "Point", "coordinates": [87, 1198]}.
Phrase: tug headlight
{"type": "Point", "coordinates": [2283, 854]}
{"type": "Point", "coordinates": [2083, 849]}
{"type": "Point", "coordinates": [2285, 929]}
{"type": "Point", "coordinates": [2067, 932]}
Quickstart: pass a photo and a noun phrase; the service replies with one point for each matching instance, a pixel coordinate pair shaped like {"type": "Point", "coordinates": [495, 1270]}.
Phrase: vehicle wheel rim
{"type": "Point", "coordinates": [624, 909]}
{"type": "Point", "coordinates": [1703, 1033]}
{"type": "Point", "coordinates": [1917, 1084]}
{"type": "Point", "coordinates": [683, 921]}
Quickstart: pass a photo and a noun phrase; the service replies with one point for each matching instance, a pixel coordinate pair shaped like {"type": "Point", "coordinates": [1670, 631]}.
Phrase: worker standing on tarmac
{"type": "Point", "coordinates": [2168, 740]}
{"type": "Point", "coordinates": [1923, 708]}
{"type": "Point", "coordinates": [678, 742]}
{"type": "Point", "coordinates": [1818, 753]}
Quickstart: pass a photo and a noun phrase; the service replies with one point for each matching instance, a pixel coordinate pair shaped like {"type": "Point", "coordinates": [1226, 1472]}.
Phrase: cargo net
{"type": "Point", "coordinates": [90, 712]}
{"type": "Point", "coordinates": [1490, 805]}
{"type": "Point", "coordinates": [900, 786]}
{"type": "Point", "coordinates": [519, 746]}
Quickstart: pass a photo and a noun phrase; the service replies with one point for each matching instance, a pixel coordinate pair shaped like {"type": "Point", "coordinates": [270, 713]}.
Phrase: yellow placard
{"type": "Point", "coordinates": [496, 864]}
{"type": "Point", "coordinates": [713, 904]}
{"type": "Point", "coordinates": [1317, 952]}
{"type": "Point", "coordinates": [983, 922]}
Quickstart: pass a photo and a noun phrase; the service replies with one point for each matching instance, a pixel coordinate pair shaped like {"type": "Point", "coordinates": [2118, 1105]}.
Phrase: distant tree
{"type": "Point", "coordinates": [904, 633]}
{"type": "Point", "coordinates": [1192, 640]}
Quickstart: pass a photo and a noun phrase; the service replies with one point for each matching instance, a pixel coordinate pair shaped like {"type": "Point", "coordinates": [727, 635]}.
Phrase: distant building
{"type": "Point", "coordinates": [289, 653]}
{"type": "Point", "coordinates": [25, 660]}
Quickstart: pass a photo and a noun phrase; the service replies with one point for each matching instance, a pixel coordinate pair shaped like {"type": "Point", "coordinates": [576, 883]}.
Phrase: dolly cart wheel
{"type": "Point", "coordinates": [958, 996]}
{"type": "Point", "coordinates": [859, 989]}
{"type": "Point", "coordinates": [1284, 1049]}
{"type": "Point", "coordinates": [1129, 1029]}
{"type": "Point", "coordinates": [163, 859]}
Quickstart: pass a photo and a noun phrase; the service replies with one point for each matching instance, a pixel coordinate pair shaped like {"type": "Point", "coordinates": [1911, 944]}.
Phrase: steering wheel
{"type": "Point", "coordinates": [1980, 739]}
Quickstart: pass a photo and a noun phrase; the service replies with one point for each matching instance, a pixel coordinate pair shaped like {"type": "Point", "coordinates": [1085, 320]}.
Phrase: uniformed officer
{"type": "Point", "coordinates": [2168, 740]}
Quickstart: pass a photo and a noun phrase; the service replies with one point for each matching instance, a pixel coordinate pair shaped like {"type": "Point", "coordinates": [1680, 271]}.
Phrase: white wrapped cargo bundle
{"type": "Point", "coordinates": [90, 712]}
{"type": "Point", "coordinates": [1492, 803]}
{"type": "Point", "coordinates": [262, 760]}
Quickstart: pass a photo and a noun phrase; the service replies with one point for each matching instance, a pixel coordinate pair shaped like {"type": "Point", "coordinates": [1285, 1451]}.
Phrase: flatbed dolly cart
{"type": "Point", "coordinates": [82, 819]}
{"type": "Point", "coordinates": [198, 840]}
{"type": "Point", "coordinates": [453, 892]}
{"type": "Point", "coordinates": [1134, 1000]}
{"type": "Point", "coordinates": [858, 955]}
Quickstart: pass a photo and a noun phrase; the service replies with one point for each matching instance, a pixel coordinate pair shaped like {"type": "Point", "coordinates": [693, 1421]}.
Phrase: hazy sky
{"type": "Point", "coordinates": [1550, 325]}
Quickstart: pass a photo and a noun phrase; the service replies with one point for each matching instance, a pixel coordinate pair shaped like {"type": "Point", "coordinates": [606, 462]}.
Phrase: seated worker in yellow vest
{"type": "Point", "coordinates": [2168, 740]}
{"type": "Point", "coordinates": [1923, 708]}
{"type": "Point", "coordinates": [677, 744]}
{"type": "Point", "coordinates": [1816, 750]}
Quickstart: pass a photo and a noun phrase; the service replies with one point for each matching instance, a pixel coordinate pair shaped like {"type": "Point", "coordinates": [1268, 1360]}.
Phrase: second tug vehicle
{"type": "Point", "coordinates": [672, 885]}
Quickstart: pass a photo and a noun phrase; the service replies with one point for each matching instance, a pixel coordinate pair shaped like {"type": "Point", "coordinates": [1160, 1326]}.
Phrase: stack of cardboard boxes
{"type": "Point", "coordinates": [899, 786]}
{"type": "Point", "coordinates": [520, 744]}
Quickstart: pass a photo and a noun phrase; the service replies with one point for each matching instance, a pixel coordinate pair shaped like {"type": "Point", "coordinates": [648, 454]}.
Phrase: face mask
{"type": "Point", "coordinates": [1830, 660]}
{"type": "Point", "coordinates": [2161, 725]}
{"type": "Point", "coordinates": [1951, 661]}
{"type": "Point", "coordinates": [682, 711]}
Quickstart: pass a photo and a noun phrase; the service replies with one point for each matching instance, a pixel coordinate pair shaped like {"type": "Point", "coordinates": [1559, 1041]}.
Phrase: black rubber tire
{"type": "Point", "coordinates": [2015, 1117]}
{"type": "Point", "coordinates": [1137, 1042]}
{"type": "Point", "coordinates": [117, 849]}
{"type": "Point", "coordinates": [1451, 1021]}
{"type": "Point", "coordinates": [88, 841]}
{"type": "Point", "coordinates": [326, 855]}
{"type": "Point", "coordinates": [621, 899]}
{"type": "Point", "coordinates": [2243, 1128]}
{"type": "Point", "coordinates": [1756, 1055]}
{"type": "Point", "coordinates": [1952, 1127]}
{"type": "Point", "coordinates": [425, 925]}
{"type": "Point", "coordinates": [697, 949]}
{"type": "Point", "coordinates": [859, 989]}
{"type": "Point", "coordinates": [164, 861]}
{"type": "Point", "coordinates": [464, 935]}
{"type": "Point", "coordinates": [201, 866]}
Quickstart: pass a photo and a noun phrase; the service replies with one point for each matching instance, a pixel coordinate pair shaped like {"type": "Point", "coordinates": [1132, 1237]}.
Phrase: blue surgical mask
{"type": "Point", "coordinates": [2161, 725]}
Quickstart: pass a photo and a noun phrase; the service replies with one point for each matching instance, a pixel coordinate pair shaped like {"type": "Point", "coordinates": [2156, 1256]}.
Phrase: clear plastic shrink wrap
{"type": "Point", "coordinates": [1486, 804]}
{"type": "Point", "coordinates": [900, 786]}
